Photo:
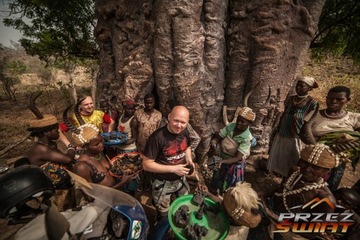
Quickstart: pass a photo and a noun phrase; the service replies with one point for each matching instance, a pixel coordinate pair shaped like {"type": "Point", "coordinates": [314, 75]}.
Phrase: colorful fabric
{"type": "Point", "coordinates": [243, 139]}
{"type": "Point", "coordinates": [286, 146]}
{"type": "Point", "coordinates": [58, 175]}
{"type": "Point", "coordinates": [228, 175]}
{"type": "Point", "coordinates": [148, 123]}
{"type": "Point", "coordinates": [97, 119]}
{"type": "Point", "coordinates": [293, 118]}
{"type": "Point", "coordinates": [96, 175]}
{"type": "Point", "coordinates": [168, 149]}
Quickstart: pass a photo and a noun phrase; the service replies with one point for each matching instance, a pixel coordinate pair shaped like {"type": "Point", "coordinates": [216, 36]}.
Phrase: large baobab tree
{"type": "Point", "coordinates": [205, 54]}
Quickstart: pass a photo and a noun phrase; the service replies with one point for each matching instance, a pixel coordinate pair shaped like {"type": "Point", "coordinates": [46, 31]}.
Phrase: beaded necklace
{"type": "Point", "coordinates": [287, 191]}
{"type": "Point", "coordinates": [334, 117]}
{"type": "Point", "coordinates": [98, 158]}
{"type": "Point", "coordinates": [302, 99]}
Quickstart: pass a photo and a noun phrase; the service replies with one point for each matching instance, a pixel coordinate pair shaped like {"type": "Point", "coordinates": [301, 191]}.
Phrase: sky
{"type": "Point", "coordinates": [7, 33]}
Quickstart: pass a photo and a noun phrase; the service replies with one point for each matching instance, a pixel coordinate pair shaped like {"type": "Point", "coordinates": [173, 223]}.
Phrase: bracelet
{"type": "Point", "coordinates": [71, 146]}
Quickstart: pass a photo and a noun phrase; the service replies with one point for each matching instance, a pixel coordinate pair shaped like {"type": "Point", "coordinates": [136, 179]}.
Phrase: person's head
{"type": "Point", "coordinates": [86, 105]}
{"type": "Point", "coordinates": [129, 107]}
{"type": "Point", "coordinates": [95, 145]}
{"type": "Point", "coordinates": [337, 98]}
{"type": "Point", "coordinates": [149, 102]}
{"type": "Point", "coordinates": [178, 119]}
{"type": "Point", "coordinates": [170, 104]}
{"type": "Point", "coordinates": [44, 124]}
{"type": "Point", "coordinates": [104, 105]}
{"type": "Point", "coordinates": [51, 131]}
{"type": "Point", "coordinates": [240, 202]}
{"type": "Point", "coordinates": [304, 85]}
{"type": "Point", "coordinates": [84, 134]}
{"type": "Point", "coordinates": [245, 117]}
{"type": "Point", "coordinates": [315, 161]}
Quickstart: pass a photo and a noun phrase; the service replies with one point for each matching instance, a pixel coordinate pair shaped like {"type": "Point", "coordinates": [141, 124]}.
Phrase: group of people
{"type": "Point", "coordinates": [171, 144]}
{"type": "Point", "coordinates": [302, 123]}
{"type": "Point", "coordinates": [309, 151]}
{"type": "Point", "coordinates": [168, 145]}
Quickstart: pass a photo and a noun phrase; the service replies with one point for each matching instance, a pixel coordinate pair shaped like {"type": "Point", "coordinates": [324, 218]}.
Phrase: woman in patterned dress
{"type": "Point", "coordinates": [286, 147]}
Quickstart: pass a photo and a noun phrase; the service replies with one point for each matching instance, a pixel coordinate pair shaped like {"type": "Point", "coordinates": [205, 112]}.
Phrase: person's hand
{"type": "Point", "coordinates": [71, 153]}
{"type": "Point", "coordinates": [201, 188]}
{"type": "Point", "coordinates": [180, 170]}
{"type": "Point", "coordinates": [191, 167]}
{"type": "Point", "coordinates": [127, 178]}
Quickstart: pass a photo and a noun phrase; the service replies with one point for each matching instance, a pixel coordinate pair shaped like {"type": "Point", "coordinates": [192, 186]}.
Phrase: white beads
{"type": "Point", "coordinates": [287, 191]}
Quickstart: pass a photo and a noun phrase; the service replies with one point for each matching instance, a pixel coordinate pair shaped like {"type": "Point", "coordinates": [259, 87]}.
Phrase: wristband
{"type": "Point", "coordinates": [71, 146]}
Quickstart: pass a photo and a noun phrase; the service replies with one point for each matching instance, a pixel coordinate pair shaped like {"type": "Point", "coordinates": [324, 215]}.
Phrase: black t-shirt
{"type": "Point", "coordinates": [167, 148]}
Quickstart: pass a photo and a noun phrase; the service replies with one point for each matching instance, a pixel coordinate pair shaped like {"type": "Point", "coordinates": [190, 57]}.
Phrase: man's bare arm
{"type": "Point", "coordinates": [151, 166]}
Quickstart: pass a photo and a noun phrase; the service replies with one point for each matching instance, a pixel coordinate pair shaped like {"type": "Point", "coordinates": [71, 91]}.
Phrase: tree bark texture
{"type": "Point", "coordinates": [205, 54]}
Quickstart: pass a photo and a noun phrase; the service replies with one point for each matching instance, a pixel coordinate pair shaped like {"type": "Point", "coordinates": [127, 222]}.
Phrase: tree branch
{"type": "Point", "coordinates": [8, 148]}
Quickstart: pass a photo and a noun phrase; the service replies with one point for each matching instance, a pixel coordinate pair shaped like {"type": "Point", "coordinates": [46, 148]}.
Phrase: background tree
{"type": "Point", "coordinates": [53, 29]}
{"type": "Point", "coordinates": [339, 30]}
{"type": "Point", "coordinates": [11, 67]}
{"type": "Point", "coordinates": [59, 32]}
{"type": "Point", "coordinates": [205, 54]}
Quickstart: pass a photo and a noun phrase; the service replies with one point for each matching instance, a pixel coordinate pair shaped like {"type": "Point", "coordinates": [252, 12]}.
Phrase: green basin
{"type": "Point", "coordinates": [217, 224]}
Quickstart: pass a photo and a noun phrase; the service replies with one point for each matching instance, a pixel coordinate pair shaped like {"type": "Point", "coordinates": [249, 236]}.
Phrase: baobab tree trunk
{"type": "Point", "coordinates": [205, 54]}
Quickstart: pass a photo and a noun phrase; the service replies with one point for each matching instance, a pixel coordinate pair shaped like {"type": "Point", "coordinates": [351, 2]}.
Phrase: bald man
{"type": "Point", "coordinates": [168, 157]}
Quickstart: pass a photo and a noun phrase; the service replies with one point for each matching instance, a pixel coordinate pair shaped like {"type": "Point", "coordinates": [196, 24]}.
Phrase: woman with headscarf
{"type": "Point", "coordinates": [338, 128]}
{"type": "Point", "coordinates": [286, 146]}
{"type": "Point", "coordinates": [232, 145]}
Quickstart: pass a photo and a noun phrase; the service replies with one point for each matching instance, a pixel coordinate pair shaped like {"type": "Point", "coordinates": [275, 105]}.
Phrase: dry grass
{"type": "Point", "coordinates": [14, 117]}
{"type": "Point", "coordinates": [333, 72]}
